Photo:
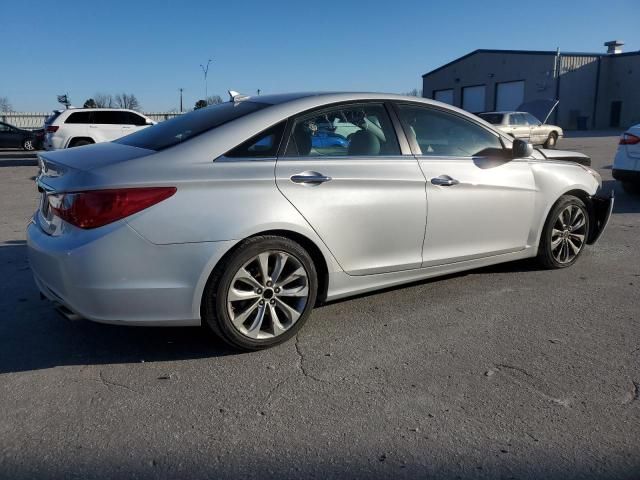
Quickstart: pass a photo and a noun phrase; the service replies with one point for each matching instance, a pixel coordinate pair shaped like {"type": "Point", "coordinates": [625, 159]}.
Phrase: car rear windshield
{"type": "Point", "coordinates": [494, 118]}
{"type": "Point", "coordinates": [51, 118]}
{"type": "Point", "coordinates": [171, 132]}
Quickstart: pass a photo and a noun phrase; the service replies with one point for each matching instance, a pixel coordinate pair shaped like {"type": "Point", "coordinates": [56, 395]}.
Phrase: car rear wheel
{"type": "Point", "coordinates": [564, 234]}
{"type": "Point", "coordinates": [552, 140]}
{"type": "Point", "coordinates": [27, 145]}
{"type": "Point", "coordinates": [262, 294]}
{"type": "Point", "coordinates": [79, 143]}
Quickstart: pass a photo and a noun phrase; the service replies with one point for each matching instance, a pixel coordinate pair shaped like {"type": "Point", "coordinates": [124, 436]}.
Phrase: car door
{"type": "Point", "coordinates": [364, 198]}
{"type": "Point", "coordinates": [10, 136]}
{"type": "Point", "coordinates": [519, 126]}
{"type": "Point", "coordinates": [479, 201]}
{"type": "Point", "coordinates": [538, 132]}
{"type": "Point", "coordinates": [107, 125]}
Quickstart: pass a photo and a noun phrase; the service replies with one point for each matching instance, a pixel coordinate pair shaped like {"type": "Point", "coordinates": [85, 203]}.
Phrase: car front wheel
{"type": "Point", "coordinates": [262, 294]}
{"type": "Point", "coordinates": [564, 234]}
{"type": "Point", "coordinates": [552, 140]}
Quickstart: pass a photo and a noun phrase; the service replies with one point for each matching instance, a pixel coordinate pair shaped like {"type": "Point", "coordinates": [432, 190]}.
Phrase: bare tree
{"type": "Point", "coordinates": [5, 105]}
{"type": "Point", "coordinates": [214, 100]}
{"type": "Point", "coordinates": [103, 100]}
{"type": "Point", "coordinates": [414, 93]}
{"type": "Point", "coordinates": [127, 100]}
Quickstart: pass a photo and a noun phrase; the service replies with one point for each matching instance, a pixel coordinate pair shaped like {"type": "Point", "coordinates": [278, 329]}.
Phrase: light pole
{"type": "Point", "coordinates": [205, 70]}
{"type": "Point", "coordinates": [181, 100]}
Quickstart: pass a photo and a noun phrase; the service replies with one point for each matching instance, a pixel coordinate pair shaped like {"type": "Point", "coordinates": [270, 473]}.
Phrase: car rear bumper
{"type": "Point", "coordinates": [626, 175]}
{"type": "Point", "coordinates": [119, 277]}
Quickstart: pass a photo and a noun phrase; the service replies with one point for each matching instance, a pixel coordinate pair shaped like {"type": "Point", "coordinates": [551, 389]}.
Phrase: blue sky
{"type": "Point", "coordinates": [152, 48]}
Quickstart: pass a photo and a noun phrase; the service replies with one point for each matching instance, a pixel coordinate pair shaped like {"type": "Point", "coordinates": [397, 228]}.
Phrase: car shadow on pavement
{"type": "Point", "coordinates": [34, 336]}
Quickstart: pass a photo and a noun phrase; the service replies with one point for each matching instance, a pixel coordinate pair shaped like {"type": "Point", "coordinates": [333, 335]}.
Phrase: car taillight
{"type": "Point", "coordinates": [52, 128]}
{"type": "Point", "coordinates": [100, 207]}
{"type": "Point", "coordinates": [628, 139]}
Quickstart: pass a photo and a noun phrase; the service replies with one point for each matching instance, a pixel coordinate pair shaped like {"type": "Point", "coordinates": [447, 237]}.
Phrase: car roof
{"type": "Point", "coordinates": [330, 97]}
{"type": "Point", "coordinates": [99, 109]}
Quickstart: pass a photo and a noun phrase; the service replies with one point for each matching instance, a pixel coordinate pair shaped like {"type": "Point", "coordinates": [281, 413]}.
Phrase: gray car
{"type": "Point", "coordinates": [525, 126]}
{"type": "Point", "coordinates": [233, 216]}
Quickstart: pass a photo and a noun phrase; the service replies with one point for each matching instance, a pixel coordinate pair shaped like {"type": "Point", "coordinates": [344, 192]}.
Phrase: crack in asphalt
{"type": "Point", "coordinates": [108, 384]}
{"type": "Point", "coordinates": [528, 385]}
{"type": "Point", "coordinates": [301, 360]}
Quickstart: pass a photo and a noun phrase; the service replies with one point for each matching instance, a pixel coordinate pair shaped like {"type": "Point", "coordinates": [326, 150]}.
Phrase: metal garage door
{"type": "Point", "coordinates": [509, 95]}
{"type": "Point", "coordinates": [445, 96]}
{"type": "Point", "coordinates": [473, 98]}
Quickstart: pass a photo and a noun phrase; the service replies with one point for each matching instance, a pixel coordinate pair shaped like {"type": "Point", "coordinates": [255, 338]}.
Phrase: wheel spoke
{"type": "Point", "coordinates": [236, 295]}
{"type": "Point", "coordinates": [302, 291]}
{"type": "Point", "coordinates": [298, 273]}
{"type": "Point", "coordinates": [278, 328]}
{"type": "Point", "coordinates": [239, 320]}
{"type": "Point", "coordinates": [576, 249]}
{"type": "Point", "coordinates": [577, 236]}
{"type": "Point", "coordinates": [579, 222]}
{"type": "Point", "coordinates": [254, 330]}
{"type": "Point", "coordinates": [281, 260]}
{"type": "Point", "coordinates": [263, 260]}
{"type": "Point", "coordinates": [244, 275]}
{"type": "Point", "coordinates": [291, 313]}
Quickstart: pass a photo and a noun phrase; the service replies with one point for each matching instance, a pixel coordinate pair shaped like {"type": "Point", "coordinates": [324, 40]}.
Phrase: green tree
{"type": "Point", "coordinates": [200, 104]}
{"type": "Point", "coordinates": [90, 103]}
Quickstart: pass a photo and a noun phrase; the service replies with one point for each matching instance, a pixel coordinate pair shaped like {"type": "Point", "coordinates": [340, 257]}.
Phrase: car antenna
{"type": "Point", "coordinates": [236, 96]}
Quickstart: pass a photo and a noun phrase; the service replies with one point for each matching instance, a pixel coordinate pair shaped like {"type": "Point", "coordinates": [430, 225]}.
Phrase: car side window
{"type": "Point", "coordinates": [532, 120]}
{"type": "Point", "coordinates": [262, 145]}
{"type": "Point", "coordinates": [80, 117]}
{"type": "Point", "coordinates": [347, 130]}
{"type": "Point", "coordinates": [439, 133]}
{"type": "Point", "coordinates": [136, 120]}
{"type": "Point", "coordinates": [4, 128]}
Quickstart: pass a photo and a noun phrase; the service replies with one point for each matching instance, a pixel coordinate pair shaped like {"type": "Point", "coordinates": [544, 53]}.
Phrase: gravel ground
{"type": "Point", "coordinates": [503, 372]}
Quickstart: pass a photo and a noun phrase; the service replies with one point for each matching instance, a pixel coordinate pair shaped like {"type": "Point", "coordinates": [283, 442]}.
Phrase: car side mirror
{"type": "Point", "coordinates": [521, 149]}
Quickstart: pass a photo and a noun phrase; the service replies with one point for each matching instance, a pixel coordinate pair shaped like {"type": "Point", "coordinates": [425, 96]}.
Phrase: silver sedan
{"type": "Point", "coordinates": [244, 215]}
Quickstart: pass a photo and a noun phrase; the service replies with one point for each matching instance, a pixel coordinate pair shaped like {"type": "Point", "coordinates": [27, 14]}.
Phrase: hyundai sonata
{"type": "Point", "coordinates": [233, 216]}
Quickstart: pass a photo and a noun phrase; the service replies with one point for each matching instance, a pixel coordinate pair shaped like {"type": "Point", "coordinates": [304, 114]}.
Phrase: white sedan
{"type": "Point", "coordinates": [626, 166]}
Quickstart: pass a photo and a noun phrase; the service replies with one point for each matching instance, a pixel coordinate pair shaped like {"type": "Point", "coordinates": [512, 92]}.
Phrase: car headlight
{"type": "Point", "coordinates": [594, 174]}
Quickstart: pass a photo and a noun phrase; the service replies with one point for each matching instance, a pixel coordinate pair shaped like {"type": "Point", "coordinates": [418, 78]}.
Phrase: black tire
{"type": "Point", "coordinates": [27, 145]}
{"type": "Point", "coordinates": [79, 143]}
{"type": "Point", "coordinates": [552, 140]}
{"type": "Point", "coordinates": [546, 255]}
{"type": "Point", "coordinates": [214, 308]}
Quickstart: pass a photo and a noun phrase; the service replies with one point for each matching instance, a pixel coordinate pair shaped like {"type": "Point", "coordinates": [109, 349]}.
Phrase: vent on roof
{"type": "Point", "coordinates": [614, 47]}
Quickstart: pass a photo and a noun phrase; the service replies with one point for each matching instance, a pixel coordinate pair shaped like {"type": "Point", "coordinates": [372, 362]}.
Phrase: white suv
{"type": "Point", "coordinates": [81, 126]}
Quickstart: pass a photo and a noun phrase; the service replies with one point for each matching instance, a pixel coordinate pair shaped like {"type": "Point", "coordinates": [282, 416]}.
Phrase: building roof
{"type": "Point", "coordinates": [530, 52]}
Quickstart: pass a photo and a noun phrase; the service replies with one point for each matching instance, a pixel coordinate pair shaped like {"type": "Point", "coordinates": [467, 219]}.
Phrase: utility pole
{"type": "Point", "coordinates": [181, 100]}
{"type": "Point", "coordinates": [258, 91]}
{"type": "Point", "coordinates": [205, 70]}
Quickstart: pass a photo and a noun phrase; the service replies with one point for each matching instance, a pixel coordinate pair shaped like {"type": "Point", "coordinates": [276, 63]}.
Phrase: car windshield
{"type": "Point", "coordinates": [494, 118]}
{"type": "Point", "coordinates": [181, 128]}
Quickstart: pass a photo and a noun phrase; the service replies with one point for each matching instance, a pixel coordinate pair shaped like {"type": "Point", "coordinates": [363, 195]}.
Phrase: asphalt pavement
{"type": "Point", "coordinates": [504, 372]}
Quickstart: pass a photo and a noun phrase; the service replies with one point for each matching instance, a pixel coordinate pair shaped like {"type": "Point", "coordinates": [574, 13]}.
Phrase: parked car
{"type": "Point", "coordinates": [626, 165]}
{"type": "Point", "coordinates": [83, 126]}
{"type": "Point", "coordinates": [14, 137]}
{"type": "Point", "coordinates": [525, 126]}
{"type": "Point", "coordinates": [188, 222]}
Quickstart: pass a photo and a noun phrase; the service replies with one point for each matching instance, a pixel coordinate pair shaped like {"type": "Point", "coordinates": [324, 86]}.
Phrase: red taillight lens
{"type": "Point", "coordinates": [99, 207]}
{"type": "Point", "coordinates": [52, 128]}
{"type": "Point", "coordinates": [628, 139]}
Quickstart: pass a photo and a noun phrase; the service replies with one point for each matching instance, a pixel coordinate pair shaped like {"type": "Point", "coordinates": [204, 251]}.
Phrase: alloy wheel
{"type": "Point", "coordinates": [28, 145]}
{"type": "Point", "coordinates": [268, 294]}
{"type": "Point", "coordinates": [568, 234]}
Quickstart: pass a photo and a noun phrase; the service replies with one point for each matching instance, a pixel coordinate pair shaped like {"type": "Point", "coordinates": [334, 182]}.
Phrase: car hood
{"type": "Point", "coordinates": [541, 108]}
{"type": "Point", "coordinates": [566, 155]}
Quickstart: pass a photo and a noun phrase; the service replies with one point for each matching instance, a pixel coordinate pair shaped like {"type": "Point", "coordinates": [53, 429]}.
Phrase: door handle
{"type": "Point", "coordinates": [444, 181]}
{"type": "Point", "coordinates": [310, 178]}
